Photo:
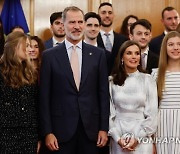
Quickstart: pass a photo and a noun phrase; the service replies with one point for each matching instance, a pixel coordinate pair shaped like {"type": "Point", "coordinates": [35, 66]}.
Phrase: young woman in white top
{"type": "Point", "coordinates": [168, 81]}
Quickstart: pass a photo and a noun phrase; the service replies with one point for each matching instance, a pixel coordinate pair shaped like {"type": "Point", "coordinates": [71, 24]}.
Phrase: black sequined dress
{"type": "Point", "coordinates": [18, 119]}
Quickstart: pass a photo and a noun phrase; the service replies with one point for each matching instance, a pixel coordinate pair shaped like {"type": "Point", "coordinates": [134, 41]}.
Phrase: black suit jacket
{"type": "Point", "coordinates": [48, 44]}
{"type": "Point", "coordinates": [155, 44]}
{"type": "Point", "coordinates": [152, 61]}
{"type": "Point", "coordinates": [61, 104]}
{"type": "Point", "coordinates": [118, 41]}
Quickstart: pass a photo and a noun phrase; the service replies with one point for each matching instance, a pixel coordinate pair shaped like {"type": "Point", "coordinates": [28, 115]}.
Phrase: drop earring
{"type": "Point", "coordinates": [122, 62]}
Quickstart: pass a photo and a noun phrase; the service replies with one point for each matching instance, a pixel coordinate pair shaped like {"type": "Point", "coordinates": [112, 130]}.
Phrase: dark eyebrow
{"type": "Point", "coordinates": [89, 24]}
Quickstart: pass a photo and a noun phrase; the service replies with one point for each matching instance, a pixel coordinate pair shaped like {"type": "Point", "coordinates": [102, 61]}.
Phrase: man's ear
{"type": "Point", "coordinates": [130, 36]}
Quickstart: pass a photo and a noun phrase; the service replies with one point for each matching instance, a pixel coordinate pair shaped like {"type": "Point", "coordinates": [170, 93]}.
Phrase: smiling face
{"type": "Point", "coordinates": [74, 26]}
{"type": "Point", "coordinates": [131, 58]}
{"type": "Point", "coordinates": [141, 35]}
{"type": "Point", "coordinates": [107, 15]}
{"type": "Point", "coordinates": [92, 28]}
{"type": "Point", "coordinates": [34, 53]}
{"type": "Point", "coordinates": [173, 48]}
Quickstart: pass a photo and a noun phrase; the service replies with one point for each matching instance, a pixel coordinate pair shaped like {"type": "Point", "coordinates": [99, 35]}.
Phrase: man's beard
{"type": "Point", "coordinates": [70, 35]}
{"type": "Point", "coordinates": [106, 25]}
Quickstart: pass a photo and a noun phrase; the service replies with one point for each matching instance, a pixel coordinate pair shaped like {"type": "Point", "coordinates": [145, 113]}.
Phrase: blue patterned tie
{"type": "Point", "coordinates": [108, 44]}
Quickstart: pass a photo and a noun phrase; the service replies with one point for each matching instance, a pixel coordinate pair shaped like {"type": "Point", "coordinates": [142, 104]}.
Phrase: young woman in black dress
{"type": "Point", "coordinates": [18, 98]}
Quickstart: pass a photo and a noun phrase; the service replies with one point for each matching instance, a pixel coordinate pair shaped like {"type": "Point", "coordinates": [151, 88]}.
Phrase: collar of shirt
{"type": "Point", "coordinates": [111, 36]}
{"type": "Point", "coordinates": [55, 41]}
{"type": "Point", "coordinates": [69, 44]}
{"type": "Point", "coordinates": [103, 32]}
{"type": "Point", "coordinates": [165, 32]}
{"type": "Point", "coordinates": [146, 51]}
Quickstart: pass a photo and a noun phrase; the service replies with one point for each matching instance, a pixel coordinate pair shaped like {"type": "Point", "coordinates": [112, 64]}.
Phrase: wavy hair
{"type": "Point", "coordinates": [16, 72]}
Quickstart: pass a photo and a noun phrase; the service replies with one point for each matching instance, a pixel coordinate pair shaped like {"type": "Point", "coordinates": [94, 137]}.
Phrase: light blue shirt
{"type": "Point", "coordinates": [111, 36]}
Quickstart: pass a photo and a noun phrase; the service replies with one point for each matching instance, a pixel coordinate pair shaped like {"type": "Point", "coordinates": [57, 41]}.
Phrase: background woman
{"type": "Point", "coordinates": [127, 22]}
{"type": "Point", "coordinates": [168, 81]}
{"type": "Point", "coordinates": [36, 52]}
{"type": "Point", "coordinates": [133, 104]}
{"type": "Point", "coordinates": [18, 98]}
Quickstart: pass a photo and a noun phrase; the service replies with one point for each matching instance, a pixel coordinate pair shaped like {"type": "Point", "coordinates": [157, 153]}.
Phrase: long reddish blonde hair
{"type": "Point", "coordinates": [16, 72]}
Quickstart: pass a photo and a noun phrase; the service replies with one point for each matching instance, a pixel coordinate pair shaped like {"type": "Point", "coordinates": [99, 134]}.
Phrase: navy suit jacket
{"type": "Point", "coordinates": [111, 56]}
{"type": "Point", "coordinates": [48, 44]}
{"type": "Point", "coordinates": [61, 104]}
{"type": "Point", "coordinates": [152, 61]}
{"type": "Point", "coordinates": [155, 44]}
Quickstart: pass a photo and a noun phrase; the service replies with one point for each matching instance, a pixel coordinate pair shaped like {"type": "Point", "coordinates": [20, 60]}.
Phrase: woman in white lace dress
{"type": "Point", "coordinates": [168, 81]}
{"type": "Point", "coordinates": [134, 103]}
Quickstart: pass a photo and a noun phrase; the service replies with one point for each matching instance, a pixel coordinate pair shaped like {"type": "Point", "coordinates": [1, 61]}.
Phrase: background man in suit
{"type": "Point", "coordinates": [107, 38]}
{"type": "Point", "coordinates": [74, 93]}
{"type": "Point", "coordinates": [92, 28]}
{"type": "Point", "coordinates": [57, 29]}
{"type": "Point", "coordinates": [140, 32]}
{"type": "Point", "coordinates": [170, 20]}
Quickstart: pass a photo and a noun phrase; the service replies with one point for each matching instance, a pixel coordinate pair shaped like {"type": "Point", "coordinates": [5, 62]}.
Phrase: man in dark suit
{"type": "Point", "coordinates": [106, 13]}
{"type": "Point", "coordinates": [140, 32]}
{"type": "Point", "coordinates": [91, 31]}
{"type": "Point", "coordinates": [74, 93]}
{"type": "Point", "coordinates": [57, 29]}
{"type": "Point", "coordinates": [170, 20]}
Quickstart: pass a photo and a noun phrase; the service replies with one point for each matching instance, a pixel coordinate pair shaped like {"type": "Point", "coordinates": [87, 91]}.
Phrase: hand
{"type": "Point", "coordinates": [102, 138]}
{"type": "Point", "coordinates": [51, 142]}
{"type": "Point", "coordinates": [123, 142]}
{"type": "Point", "coordinates": [132, 144]}
{"type": "Point", "coordinates": [38, 146]}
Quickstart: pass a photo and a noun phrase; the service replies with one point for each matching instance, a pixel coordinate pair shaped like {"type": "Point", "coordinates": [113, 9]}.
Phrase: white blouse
{"type": "Point", "coordinates": [133, 107]}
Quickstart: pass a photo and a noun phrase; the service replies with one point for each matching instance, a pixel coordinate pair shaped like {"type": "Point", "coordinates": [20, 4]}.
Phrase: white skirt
{"type": "Point", "coordinates": [168, 133]}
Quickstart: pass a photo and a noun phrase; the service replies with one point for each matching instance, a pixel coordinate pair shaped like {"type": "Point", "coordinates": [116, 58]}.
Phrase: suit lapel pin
{"type": "Point", "coordinates": [90, 53]}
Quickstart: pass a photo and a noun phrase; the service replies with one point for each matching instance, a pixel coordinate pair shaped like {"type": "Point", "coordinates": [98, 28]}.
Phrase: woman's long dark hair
{"type": "Point", "coordinates": [124, 26]}
{"type": "Point", "coordinates": [119, 73]}
{"type": "Point", "coordinates": [41, 48]}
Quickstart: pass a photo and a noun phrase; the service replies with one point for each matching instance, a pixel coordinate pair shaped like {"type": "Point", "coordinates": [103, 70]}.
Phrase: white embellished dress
{"type": "Point", "coordinates": [133, 109]}
{"type": "Point", "coordinates": [168, 133]}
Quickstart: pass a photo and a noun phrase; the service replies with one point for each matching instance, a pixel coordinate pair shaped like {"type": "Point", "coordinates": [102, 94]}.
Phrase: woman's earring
{"type": "Point", "coordinates": [122, 62]}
